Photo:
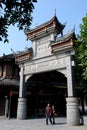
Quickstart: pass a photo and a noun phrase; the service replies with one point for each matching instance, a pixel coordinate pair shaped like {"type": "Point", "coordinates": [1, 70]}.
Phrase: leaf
{"type": "Point", "coordinates": [15, 12]}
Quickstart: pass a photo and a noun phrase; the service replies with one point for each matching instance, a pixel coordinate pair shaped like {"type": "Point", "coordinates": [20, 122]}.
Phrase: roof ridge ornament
{"type": "Point", "coordinates": [55, 13]}
{"type": "Point", "coordinates": [73, 30]}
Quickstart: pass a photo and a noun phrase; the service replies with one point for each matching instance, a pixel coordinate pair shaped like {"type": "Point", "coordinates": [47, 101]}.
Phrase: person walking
{"type": "Point", "coordinates": [48, 113]}
{"type": "Point", "coordinates": [53, 113]}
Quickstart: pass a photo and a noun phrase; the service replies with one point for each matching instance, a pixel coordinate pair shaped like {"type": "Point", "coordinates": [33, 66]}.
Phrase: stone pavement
{"type": "Point", "coordinates": [36, 124]}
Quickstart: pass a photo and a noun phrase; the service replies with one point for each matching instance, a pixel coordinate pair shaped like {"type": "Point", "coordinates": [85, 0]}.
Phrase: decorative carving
{"type": "Point", "coordinates": [45, 66]}
{"type": "Point", "coordinates": [27, 77]}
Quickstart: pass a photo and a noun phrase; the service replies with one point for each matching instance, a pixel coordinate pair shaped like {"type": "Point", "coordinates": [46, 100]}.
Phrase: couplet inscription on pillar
{"type": "Point", "coordinates": [69, 76]}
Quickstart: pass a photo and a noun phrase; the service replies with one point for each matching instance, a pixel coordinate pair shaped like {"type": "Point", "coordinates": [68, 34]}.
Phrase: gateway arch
{"type": "Point", "coordinates": [50, 51]}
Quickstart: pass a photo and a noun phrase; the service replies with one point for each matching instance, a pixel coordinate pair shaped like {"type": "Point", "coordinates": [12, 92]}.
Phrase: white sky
{"type": "Point", "coordinates": [70, 11]}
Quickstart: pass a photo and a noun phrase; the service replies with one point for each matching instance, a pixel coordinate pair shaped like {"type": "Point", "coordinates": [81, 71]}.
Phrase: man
{"type": "Point", "coordinates": [48, 114]}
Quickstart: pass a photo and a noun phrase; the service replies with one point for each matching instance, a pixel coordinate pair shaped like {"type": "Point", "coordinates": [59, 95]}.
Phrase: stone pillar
{"type": "Point", "coordinates": [73, 117]}
{"type": "Point", "coordinates": [69, 76]}
{"type": "Point", "coordinates": [21, 111]}
{"type": "Point", "coordinates": [6, 106]}
{"type": "Point", "coordinates": [22, 106]}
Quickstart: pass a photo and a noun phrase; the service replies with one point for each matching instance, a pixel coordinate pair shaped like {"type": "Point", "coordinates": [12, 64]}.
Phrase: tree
{"type": "Point", "coordinates": [81, 53]}
{"type": "Point", "coordinates": [15, 12]}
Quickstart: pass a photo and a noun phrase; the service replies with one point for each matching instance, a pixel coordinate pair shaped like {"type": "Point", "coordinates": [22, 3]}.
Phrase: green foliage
{"type": "Point", "coordinates": [15, 12]}
{"type": "Point", "coordinates": [81, 52]}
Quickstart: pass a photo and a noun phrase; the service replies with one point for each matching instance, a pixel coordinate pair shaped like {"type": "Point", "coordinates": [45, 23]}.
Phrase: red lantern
{"type": "Point", "coordinates": [11, 93]}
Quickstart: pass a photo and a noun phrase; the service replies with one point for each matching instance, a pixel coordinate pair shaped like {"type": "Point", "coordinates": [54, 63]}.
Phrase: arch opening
{"type": "Point", "coordinates": [48, 87]}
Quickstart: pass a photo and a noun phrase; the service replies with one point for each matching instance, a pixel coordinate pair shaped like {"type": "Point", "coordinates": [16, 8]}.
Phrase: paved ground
{"type": "Point", "coordinates": [36, 124]}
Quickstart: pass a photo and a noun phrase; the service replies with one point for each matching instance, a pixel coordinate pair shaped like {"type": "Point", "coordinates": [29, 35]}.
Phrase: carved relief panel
{"type": "Point", "coordinates": [46, 65]}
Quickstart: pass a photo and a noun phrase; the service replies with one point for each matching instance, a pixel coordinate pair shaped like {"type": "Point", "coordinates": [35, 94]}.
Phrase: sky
{"type": "Point", "coordinates": [70, 12]}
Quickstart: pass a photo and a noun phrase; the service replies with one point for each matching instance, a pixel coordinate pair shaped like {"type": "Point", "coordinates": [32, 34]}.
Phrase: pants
{"type": "Point", "coordinates": [53, 119]}
{"type": "Point", "coordinates": [48, 117]}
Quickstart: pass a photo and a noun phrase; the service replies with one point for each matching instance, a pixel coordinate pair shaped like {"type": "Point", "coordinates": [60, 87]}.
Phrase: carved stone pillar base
{"type": "Point", "coordinates": [22, 108]}
{"type": "Point", "coordinates": [73, 117]}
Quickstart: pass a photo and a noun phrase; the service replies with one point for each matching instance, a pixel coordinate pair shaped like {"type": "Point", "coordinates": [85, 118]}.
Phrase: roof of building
{"type": "Point", "coordinates": [9, 82]}
{"type": "Point", "coordinates": [50, 25]}
{"type": "Point", "coordinates": [60, 43]}
{"type": "Point", "coordinates": [55, 19]}
{"type": "Point", "coordinates": [8, 57]}
{"type": "Point", "coordinates": [64, 42]}
{"type": "Point", "coordinates": [23, 55]}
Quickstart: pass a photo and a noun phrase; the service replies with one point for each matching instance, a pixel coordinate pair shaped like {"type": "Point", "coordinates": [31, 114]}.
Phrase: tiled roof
{"type": "Point", "coordinates": [7, 56]}
{"type": "Point", "coordinates": [46, 23]}
{"type": "Point", "coordinates": [64, 37]}
{"type": "Point", "coordinates": [44, 29]}
{"type": "Point", "coordinates": [63, 43]}
{"type": "Point", "coordinates": [23, 55]}
{"type": "Point", "coordinates": [9, 82]}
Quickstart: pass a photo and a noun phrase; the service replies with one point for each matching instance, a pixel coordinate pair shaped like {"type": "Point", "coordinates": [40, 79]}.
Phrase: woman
{"type": "Point", "coordinates": [53, 113]}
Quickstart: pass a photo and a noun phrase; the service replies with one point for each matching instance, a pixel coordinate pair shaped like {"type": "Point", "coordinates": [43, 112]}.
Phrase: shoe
{"type": "Point", "coordinates": [53, 122]}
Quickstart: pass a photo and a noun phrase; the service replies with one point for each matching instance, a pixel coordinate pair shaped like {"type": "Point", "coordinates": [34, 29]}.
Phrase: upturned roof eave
{"type": "Point", "coordinates": [68, 37]}
{"type": "Point", "coordinates": [46, 24]}
{"type": "Point", "coordinates": [63, 45]}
